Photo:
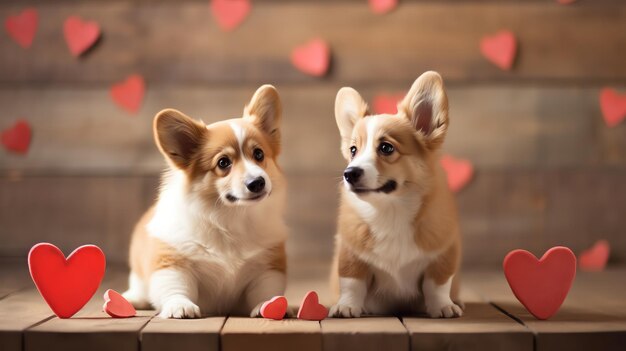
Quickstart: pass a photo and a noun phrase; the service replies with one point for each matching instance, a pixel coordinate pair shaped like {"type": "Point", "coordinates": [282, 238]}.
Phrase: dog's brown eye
{"type": "Point", "coordinates": [224, 163]}
{"type": "Point", "coordinates": [353, 150]}
{"type": "Point", "coordinates": [258, 155]}
{"type": "Point", "coordinates": [385, 148]}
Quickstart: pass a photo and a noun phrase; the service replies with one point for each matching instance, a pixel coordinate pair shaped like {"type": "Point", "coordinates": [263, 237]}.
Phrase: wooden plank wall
{"type": "Point", "coordinates": [548, 170]}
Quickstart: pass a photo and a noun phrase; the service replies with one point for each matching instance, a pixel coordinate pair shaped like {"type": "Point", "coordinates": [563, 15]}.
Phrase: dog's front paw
{"type": "Point", "coordinates": [179, 307]}
{"type": "Point", "coordinates": [345, 311]}
{"type": "Point", "coordinates": [444, 310]}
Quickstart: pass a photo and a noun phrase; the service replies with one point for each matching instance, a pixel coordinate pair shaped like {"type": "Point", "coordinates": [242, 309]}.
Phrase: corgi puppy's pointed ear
{"type": "Point", "coordinates": [265, 111]}
{"type": "Point", "coordinates": [426, 107]}
{"type": "Point", "coordinates": [349, 108]}
{"type": "Point", "coordinates": [178, 137]}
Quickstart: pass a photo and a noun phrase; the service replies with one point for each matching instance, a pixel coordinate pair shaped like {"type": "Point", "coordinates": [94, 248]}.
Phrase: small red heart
{"type": "Point", "coordinates": [382, 6]}
{"type": "Point", "coordinates": [386, 104]}
{"type": "Point", "coordinates": [22, 27]}
{"type": "Point", "coordinates": [116, 306]}
{"type": "Point", "coordinates": [541, 285]}
{"type": "Point", "coordinates": [230, 13]}
{"type": "Point", "coordinates": [613, 106]}
{"type": "Point", "coordinates": [129, 93]}
{"type": "Point", "coordinates": [80, 35]}
{"type": "Point", "coordinates": [312, 58]}
{"type": "Point", "coordinates": [459, 172]}
{"type": "Point", "coordinates": [595, 258]}
{"type": "Point", "coordinates": [17, 137]}
{"type": "Point", "coordinates": [500, 49]}
{"type": "Point", "coordinates": [311, 309]}
{"type": "Point", "coordinates": [274, 308]}
{"type": "Point", "coordinates": [66, 284]}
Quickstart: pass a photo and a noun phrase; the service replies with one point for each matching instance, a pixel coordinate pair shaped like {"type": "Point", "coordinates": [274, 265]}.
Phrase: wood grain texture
{"type": "Point", "coordinates": [364, 334]}
{"type": "Point", "coordinates": [186, 334]}
{"type": "Point", "coordinates": [557, 43]}
{"type": "Point", "coordinates": [81, 131]}
{"type": "Point", "coordinates": [268, 335]}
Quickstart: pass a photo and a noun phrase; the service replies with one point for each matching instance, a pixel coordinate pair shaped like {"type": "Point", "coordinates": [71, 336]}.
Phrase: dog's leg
{"type": "Point", "coordinates": [437, 285]}
{"type": "Point", "coordinates": [262, 288]}
{"type": "Point", "coordinates": [137, 294]}
{"type": "Point", "coordinates": [352, 285]}
{"type": "Point", "coordinates": [173, 292]}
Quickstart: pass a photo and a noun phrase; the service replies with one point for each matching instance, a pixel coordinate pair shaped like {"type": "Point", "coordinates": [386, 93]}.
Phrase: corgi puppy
{"type": "Point", "coordinates": [398, 245]}
{"type": "Point", "coordinates": [214, 242]}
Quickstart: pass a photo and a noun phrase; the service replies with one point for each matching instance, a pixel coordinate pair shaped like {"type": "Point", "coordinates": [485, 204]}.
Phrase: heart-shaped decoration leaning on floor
{"type": "Point", "coordinates": [311, 309]}
{"type": "Point", "coordinates": [66, 284]}
{"type": "Point", "coordinates": [541, 285]}
{"type": "Point", "coordinates": [116, 306]}
{"type": "Point", "coordinates": [275, 308]}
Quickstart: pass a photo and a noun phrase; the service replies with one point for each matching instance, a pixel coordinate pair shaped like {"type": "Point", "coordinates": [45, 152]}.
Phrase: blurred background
{"type": "Point", "coordinates": [548, 170]}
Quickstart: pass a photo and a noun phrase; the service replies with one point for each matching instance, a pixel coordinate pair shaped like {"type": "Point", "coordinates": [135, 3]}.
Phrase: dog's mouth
{"type": "Point", "coordinates": [386, 188]}
{"type": "Point", "coordinates": [232, 198]}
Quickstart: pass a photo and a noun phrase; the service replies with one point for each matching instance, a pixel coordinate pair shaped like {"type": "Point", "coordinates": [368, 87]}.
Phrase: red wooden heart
{"type": "Point", "coordinates": [22, 27]}
{"type": "Point", "coordinates": [382, 6]}
{"type": "Point", "coordinates": [386, 104]}
{"type": "Point", "coordinates": [541, 285]}
{"type": "Point", "coordinates": [275, 308]}
{"type": "Point", "coordinates": [596, 257]}
{"type": "Point", "coordinates": [500, 49]}
{"type": "Point", "coordinates": [311, 309]}
{"type": "Point", "coordinates": [17, 137]}
{"type": "Point", "coordinates": [312, 58]}
{"type": "Point", "coordinates": [80, 35]}
{"type": "Point", "coordinates": [613, 106]}
{"type": "Point", "coordinates": [129, 93]}
{"type": "Point", "coordinates": [459, 172]}
{"type": "Point", "coordinates": [230, 13]}
{"type": "Point", "coordinates": [116, 306]}
{"type": "Point", "coordinates": [66, 284]}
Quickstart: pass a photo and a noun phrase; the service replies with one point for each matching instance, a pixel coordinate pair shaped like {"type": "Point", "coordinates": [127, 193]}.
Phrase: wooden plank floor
{"type": "Point", "coordinates": [593, 317]}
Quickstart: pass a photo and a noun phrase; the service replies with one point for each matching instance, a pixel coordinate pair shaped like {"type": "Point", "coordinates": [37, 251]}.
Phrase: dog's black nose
{"type": "Point", "coordinates": [353, 174]}
{"type": "Point", "coordinates": [256, 185]}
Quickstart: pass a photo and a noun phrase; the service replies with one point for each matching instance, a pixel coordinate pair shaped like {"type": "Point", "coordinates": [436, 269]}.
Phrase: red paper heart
{"type": "Point", "coordinates": [596, 257]}
{"type": "Point", "coordinates": [22, 27]}
{"type": "Point", "coordinates": [17, 137]}
{"type": "Point", "coordinates": [230, 13]}
{"type": "Point", "coordinates": [382, 6]}
{"type": "Point", "coordinates": [311, 309]}
{"type": "Point", "coordinates": [386, 104]}
{"type": "Point", "coordinates": [541, 285]}
{"type": "Point", "coordinates": [500, 49]}
{"type": "Point", "coordinates": [312, 58]}
{"type": "Point", "coordinates": [613, 106]}
{"type": "Point", "coordinates": [129, 93]}
{"type": "Point", "coordinates": [80, 35]}
{"type": "Point", "coordinates": [66, 284]}
{"type": "Point", "coordinates": [274, 308]}
{"type": "Point", "coordinates": [116, 306]}
{"type": "Point", "coordinates": [459, 172]}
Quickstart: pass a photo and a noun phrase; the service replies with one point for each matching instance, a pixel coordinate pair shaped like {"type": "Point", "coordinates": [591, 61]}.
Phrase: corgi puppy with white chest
{"type": "Point", "coordinates": [398, 244]}
{"type": "Point", "coordinates": [214, 242]}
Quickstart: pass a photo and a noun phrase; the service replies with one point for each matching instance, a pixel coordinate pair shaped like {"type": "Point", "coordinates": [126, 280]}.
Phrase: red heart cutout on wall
{"type": "Point", "coordinates": [311, 309]}
{"type": "Point", "coordinates": [596, 257]}
{"type": "Point", "coordinates": [80, 35]}
{"type": "Point", "coordinates": [116, 306]}
{"type": "Point", "coordinates": [17, 137]}
{"type": "Point", "coordinates": [275, 308]}
{"type": "Point", "coordinates": [541, 285]}
{"type": "Point", "coordinates": [386, 104]}
{"type": "Point", "coordinates": [22, 27]}
{"type": "Point", "coordinates": [500, 49]}
{"type": "Point", "coordinates": [459, 172]}
{"type": "Point", "coordinates": [66, 284]}
{"type": "Point", "coordinates": [382, 6]}
{"type": "Point", "coordinates": [312, 58]}
{"type": "Point", "coordinates": [129, 93]}
{"type": "Point", "coordinates": [230, 13]}
{"type": "Point", "coordinates": [613, 106]}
